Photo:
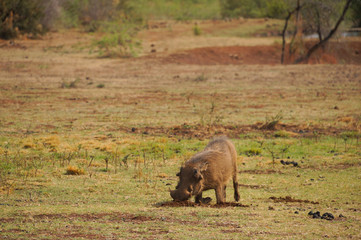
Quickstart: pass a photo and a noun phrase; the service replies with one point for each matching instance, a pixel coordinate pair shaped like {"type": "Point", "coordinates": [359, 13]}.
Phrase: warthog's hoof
{"type": "Point", "coordinates": [206, 200]}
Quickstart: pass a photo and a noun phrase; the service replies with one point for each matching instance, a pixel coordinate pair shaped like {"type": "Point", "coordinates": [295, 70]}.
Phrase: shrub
{"type": "Point", "coordinates": [197, 30]}
{"type": "Point", "coordinates": [20, 16]}
{"type": "Point", "coordinates": [244, 8]}
{"type": "Point", "coordinates": [276, 9]}
{"type": "Point", "coordinates": [253, 8]}
{"type": "Point", "coordinates": [356, 13]}
{"type": "Point", "coordinates": [91, 14]}
{"type": "Point", "coordinates": [119, 40]}
{"type": "Point", "coordinates": [71, 13]}
{"type": "Point", "coordinates": [51, 13]}
{"type": "Point", "coordinates": [253, 152]}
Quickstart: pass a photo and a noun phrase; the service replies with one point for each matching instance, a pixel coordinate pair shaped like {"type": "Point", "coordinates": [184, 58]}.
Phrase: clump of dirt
{"type": "Point", "coordinates": [289, 199]}
{"type": "Point", "coordinates": [317, 215]}
{"type": "Point", "coordinates": [192, 204]}
{"type": "Point", "coordinates": [295, 164]}
{"type": "Point", "coordinates": [179, 204]}
{"type": "Point", "coordinates": [265, 171]}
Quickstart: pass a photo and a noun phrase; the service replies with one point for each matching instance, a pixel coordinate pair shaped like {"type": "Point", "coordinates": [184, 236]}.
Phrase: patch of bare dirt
{"type": "Point", "coordinates": [100, 217]}
{"type": "Point", "coordinates": [227, 55]}
{"type": "Point", "coordinates": [344, 52]}
{"type": "Point", "coordinates": [289, 199]}
{"type": "Point", "coordinates": [234, 131]}
{"type": "Point", "coordinates": [192, 204]}
{"type": "Point", "coordinates": [341, 166]}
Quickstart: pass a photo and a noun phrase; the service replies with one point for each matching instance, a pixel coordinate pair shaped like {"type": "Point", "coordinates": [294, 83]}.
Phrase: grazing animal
{"type": "Point", "coordinates": [210, 169]}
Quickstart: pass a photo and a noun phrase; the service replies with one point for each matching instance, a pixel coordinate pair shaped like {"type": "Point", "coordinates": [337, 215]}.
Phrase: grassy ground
{"type": "Point", "coordinates": [125, 126]}
{"type": "Point", "coordinates": [127, 201]}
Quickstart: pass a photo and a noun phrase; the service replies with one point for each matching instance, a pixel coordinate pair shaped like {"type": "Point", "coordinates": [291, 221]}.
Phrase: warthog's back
{"type": "Point", "coordinates": [225, 146]}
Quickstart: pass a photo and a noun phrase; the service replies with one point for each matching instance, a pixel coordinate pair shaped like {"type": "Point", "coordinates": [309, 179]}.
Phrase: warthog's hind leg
{"type": "Point", "coordinates": [236, 193]}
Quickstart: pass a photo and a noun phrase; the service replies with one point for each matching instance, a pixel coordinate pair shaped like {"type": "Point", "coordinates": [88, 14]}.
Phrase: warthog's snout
{"type": "Point", "coordinates": [180, 196]}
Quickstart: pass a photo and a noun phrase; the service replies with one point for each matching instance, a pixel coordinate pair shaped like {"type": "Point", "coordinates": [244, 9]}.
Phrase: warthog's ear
{"type": "Point", "coordinates": [198, 172]}
{"type": "Point", "coordinates": [203, 167]}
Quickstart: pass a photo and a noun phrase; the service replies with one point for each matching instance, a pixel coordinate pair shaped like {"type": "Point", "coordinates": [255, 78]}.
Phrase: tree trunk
{"type": "Point", "coordinates": [297, 9]}
{"type": "Point", "coordinates": [324, 41]}
{"type": "Point", "coordinates": [291, 50]}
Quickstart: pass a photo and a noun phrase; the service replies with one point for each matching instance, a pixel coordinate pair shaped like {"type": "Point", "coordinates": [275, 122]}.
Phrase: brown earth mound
{"type": "Point", "coordinates": [334, 52]}
{"type": "Point", "coordinates": [192, 204]}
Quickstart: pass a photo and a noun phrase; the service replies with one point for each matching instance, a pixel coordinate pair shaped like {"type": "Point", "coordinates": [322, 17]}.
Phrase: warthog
{"type": "Point", "coordinates": [210, 169]}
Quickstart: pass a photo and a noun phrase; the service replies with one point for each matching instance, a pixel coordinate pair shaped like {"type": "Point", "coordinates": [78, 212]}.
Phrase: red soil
{"type": "Point", "coordinates": [334, 52]}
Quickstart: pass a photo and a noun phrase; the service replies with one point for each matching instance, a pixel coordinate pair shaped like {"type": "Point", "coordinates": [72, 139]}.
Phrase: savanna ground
{"type": "Point", "coordinates": [90, 146]}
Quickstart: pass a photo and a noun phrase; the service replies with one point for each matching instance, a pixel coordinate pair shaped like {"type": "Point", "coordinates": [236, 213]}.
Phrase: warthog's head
{"type": "Point", "coordinates": [190, 182]}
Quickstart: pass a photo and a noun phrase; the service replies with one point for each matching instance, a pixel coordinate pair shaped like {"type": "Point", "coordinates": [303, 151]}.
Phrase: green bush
{"type": "Point", "coordinates": [20, 16]}
{"type": "Point", "coordinates": [197, 30]}
{"type": "Point", "coordinates": [119, 40]}
{"type": "Point", "coordinates": [72, 12]}
{"type": "Point", "coordinates": [355, 12]}
{"type": "Point", "coordinates": [91, 14]}
{"type": "Point", "coordinates": [253, 8]}
{"type": "Point", "coordinates": [276, 9]}
{"type": "Point", "coordinates": [253, 152]}
{"type": "Point", "coordinates": [244, 8]}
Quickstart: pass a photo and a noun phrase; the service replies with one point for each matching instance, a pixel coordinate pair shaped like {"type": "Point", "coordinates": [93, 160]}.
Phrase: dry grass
{"type": "Point", "coordinates": [127, 140]}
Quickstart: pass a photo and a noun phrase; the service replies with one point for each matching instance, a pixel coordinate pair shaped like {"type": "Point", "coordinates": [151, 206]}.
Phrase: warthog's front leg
{"type": "Point", "coordinates": [224, 192]}
{"type": "Point", "coordinates": [220, 194]}
{"type": "Point", "coordinates": [200, 199]}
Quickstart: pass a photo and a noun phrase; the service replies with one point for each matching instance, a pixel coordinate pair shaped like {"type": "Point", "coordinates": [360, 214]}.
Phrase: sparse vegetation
{"type": "Point", "coordinates": [82, 161]}
{"type": "Point", "coordinates": [196, 30]}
